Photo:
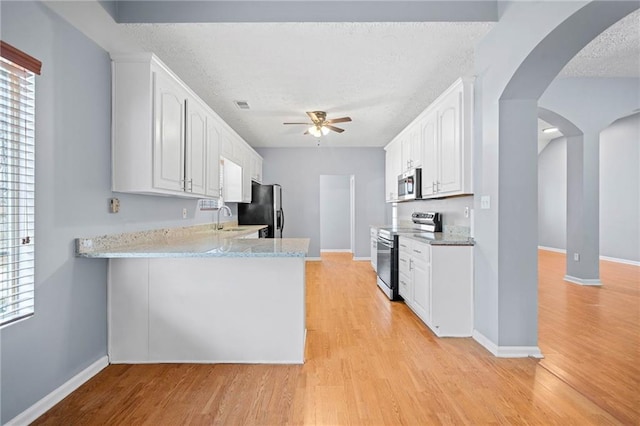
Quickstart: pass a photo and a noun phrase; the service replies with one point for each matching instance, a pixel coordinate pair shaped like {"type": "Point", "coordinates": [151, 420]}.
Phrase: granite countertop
{"type": "Point", "coordinates": [193, 241]}
{"type": "Point", "coordinates": [439, 238]}
{"type": "Point", "coordinates": [452, 235]}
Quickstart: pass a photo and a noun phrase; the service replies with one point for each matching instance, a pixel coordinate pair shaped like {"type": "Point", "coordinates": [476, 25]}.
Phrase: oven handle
{"type": "Point", "coordinates": [385, 243]}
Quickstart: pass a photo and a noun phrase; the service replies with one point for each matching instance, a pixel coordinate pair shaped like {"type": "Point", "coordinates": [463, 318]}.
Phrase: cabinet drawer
{"type": "Point", "coordinates": [404, 263]}
{"type": "Point", "coordinates": [404, 287]}
{"type": "Point", "coordinates": [420, 252]}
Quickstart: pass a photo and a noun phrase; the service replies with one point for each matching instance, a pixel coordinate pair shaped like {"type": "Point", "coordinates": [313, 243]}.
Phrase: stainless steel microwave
{"type": "Point", "coordinates": [410, 185]}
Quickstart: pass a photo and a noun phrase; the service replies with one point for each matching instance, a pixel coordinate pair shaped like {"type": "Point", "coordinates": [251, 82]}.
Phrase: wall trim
{"type": "Point", "coordinates": [618, 260]}
{"type": "Point", "coordinates": [361, 258]}
{"type": "Point", "coordinates": [607, 258]}
{"type": "Point", "coordinates": [39, 408]}
{"type": "Point", "coordinates": [507, 351]}
{"type": "Point", "coordinates": [313, 259]}
{"type": "Point", "coordinates": [583, 281]}
{"type": "Point", "coordinates": [557, 250]}
{"type": "Point", "coordinates": [335, 251]}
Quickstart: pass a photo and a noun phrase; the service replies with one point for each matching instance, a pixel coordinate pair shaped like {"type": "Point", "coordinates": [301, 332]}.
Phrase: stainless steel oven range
{"type": "Point", "coordinates": [387, 254]}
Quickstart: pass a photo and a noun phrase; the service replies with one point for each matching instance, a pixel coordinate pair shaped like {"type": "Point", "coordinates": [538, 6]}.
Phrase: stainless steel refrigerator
{"type": "Point", "coordinates": [265, 209]}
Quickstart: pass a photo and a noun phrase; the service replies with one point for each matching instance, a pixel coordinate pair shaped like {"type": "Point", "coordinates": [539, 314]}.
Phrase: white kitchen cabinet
{"type": "Point", "coordinates": [436, 282]}
{"type": "Point", "coordinates": [165, 139]}
{"type": "Point", "coordinates": [393, 168]}
{"type": "Point", "coordinates": [247, 164]}
{"type": "Point", "coordinates": [446, 137]}
{"type": "Point", "coordinates": [411, 147]}
{"type": "Point", "coordinates": [256, 167]}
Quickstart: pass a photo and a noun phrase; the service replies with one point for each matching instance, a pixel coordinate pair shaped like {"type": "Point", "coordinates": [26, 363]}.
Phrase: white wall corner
{"type": "Point", "coordinates": [39, 408]}
{"type": "Point", "coordinates": [583, 281]}
{"type": "Point", "coordinates": [507, 351]}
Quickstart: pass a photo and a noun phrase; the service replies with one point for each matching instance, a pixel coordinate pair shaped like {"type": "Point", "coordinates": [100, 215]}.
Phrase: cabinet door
{"type": "Point", "coordinates": [196, 149]}
{"type": "Point", "coordinates": [429, 144]}
{"type": "Point", "coordinates": [415, 143]}
{"type": "Point", "coordinates": [169, 135]}
{"type": "Point", "coordinates": [212, 186]}
{"type": "Point", "coordinates": [421, 282]}
{"type": "Point", "coordinates": [392, 170]}
{"type": "Point", "coordinates": [450, 178]}
{"type": "Point", "coordinates": [256, 168]}
{"type": "Point", "coordinates": [405, 152]}
{"type": "Point", "coordinates": [246, 161]}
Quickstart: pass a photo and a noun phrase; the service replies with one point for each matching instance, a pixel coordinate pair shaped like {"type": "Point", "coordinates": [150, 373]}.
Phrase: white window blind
{"type": "Point", "coordinates": [17, 164]}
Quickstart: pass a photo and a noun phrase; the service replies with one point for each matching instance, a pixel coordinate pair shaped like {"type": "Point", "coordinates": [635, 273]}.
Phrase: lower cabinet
{"type": "Point", "coordinates": [436, 282]}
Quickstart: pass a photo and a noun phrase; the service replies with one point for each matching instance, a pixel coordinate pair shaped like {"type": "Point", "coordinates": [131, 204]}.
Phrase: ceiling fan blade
{"type": "Point", "coordinates": [338, 120]}
{"type": "Point", "coordinates": [335, 129]}
{"type": "Point", "coordinates": [312, 115]}
{"type": "Point", "coordinates": [306, 124]}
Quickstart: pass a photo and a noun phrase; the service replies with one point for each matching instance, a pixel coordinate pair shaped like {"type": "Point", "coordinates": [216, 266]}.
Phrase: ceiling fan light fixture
{"type": "Point", "coordinates": [325, 130]}
{"type": "Point", "coordinates": [315, 131]}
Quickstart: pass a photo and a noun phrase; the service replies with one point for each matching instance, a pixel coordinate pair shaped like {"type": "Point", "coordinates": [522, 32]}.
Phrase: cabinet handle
{"type": "Point", "coordinates": [433, 187]}
{"type": "Point", "coordinates": [190, 185]}
{"type": "Point", "coordinates": [438, 185]}
{"type": "Point", "coordinates": [404, 260]}
{"type": "Point", "coordinates": [410, 264]}
{"type": "Point", "coordinates": [417, 251]}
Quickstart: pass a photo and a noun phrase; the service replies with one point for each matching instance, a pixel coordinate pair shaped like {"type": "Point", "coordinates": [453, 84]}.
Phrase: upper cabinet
{"type": "Point", "coordinates": [447, 129]}
{"type": "Point", "coordinates": [393, 168]}
{"type": "Point", "coordinates": [439, 141]}
{"type": "Point", "coordinates": [166, 140]}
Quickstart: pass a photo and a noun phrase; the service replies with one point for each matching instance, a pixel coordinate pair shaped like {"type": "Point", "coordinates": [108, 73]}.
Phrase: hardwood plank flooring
{"type": "Point", "coordinates": [370, 361]}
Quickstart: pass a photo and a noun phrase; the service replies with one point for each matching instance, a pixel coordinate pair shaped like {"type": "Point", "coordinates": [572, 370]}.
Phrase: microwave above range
{"type": "Point", "coordinates": [410, 185]}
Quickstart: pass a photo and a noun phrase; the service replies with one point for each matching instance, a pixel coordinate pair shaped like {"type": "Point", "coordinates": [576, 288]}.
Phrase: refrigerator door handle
{"type": "Point", "coordinates": [281, 221]}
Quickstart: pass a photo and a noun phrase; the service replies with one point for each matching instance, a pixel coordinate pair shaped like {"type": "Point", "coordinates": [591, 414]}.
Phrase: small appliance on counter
{"type": "Point", "coordinates": [429, 221]}
{"type": "Point", "coordinates": [265, 209]}
{"type": "Point", "coordinates": [388, 249]}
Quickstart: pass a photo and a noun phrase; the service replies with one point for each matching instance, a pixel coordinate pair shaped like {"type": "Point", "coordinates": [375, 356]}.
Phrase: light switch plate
{"type": "Point", "coordinates": [485, 202]}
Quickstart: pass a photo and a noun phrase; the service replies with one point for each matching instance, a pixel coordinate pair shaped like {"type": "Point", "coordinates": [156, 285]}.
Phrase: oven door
{"type": "Point", "coordinates": [385, 249]}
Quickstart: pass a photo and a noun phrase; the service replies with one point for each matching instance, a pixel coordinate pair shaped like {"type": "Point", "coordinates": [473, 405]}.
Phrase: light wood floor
{"type": "Point", "coordinates": [370, 361]}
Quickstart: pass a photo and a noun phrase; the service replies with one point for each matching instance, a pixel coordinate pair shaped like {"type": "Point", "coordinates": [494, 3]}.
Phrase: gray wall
{"type": "Point", "coordinates": [69, 329]}
{"type": "Point", "coordinates": [335, 212]}
{"type": "Point", "coordinates": [552, 194]}
{"type": "Point", "coordinates": [298, 170]}
{"type": "Point", "coordinates": [619, 191]}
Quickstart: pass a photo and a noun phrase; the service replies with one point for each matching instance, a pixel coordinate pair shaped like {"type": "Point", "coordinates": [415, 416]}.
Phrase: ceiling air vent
{"type": "Point", "coordinates": [242, 104]}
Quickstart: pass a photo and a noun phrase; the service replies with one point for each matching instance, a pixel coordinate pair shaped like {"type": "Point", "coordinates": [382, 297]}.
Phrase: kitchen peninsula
{"type": "Point", "coordinates": [201, 295]}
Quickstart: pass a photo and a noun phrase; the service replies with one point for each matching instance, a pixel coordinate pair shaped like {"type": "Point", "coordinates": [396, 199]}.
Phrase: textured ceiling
{"type": "Point", "coordinates": [382, 75]}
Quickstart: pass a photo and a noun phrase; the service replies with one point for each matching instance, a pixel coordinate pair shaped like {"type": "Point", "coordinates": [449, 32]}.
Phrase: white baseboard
{"type": "Point", "coordinates": [583, 281]}
{"type": "Point", "coordinates": [362, 259]}
{"type": "Point", "coordinates": [607, 258]}
{"type": "Point", "coordinates": [556, 250]}
{"type": "Point", "coordinates": [616, 260]}
{"type": "Point", "coordinates": [313, 259]}
{"type": "Point", "coordinates": [507, 351]}
{"type": "Point", "coordinates": [46, 403]}
{"type": "Point", "coordinates": [335, 251]}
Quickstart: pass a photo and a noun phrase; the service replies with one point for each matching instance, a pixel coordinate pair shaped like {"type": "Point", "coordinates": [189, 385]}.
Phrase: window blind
{"type": "Point", "coordinates": [17, 190]}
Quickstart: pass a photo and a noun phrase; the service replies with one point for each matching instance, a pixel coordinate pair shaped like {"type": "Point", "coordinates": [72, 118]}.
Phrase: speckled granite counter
{"type": "Point", "coordinates": [193, 241]}
{"type": "Point", "coordinates": [439, 238]}
{"type": "Point", "coordinates": [452, 235]}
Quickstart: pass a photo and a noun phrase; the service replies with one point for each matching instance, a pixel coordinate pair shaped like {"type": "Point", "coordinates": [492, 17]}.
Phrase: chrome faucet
{"type": "Point", "coordinates": [228, 214]}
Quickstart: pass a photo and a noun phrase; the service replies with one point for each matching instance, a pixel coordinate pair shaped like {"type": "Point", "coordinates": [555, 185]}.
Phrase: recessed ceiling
{"type": "Point", "coordinates": [380, 74]}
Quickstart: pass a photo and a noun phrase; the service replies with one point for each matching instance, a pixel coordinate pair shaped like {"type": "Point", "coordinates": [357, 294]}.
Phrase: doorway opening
{"type": "Point", "coordinates": [337, 213]}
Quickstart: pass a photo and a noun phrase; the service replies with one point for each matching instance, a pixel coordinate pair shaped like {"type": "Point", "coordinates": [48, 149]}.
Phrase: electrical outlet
{"type": "Point", "coordinates": [184, 213]}
{"type": "Point", "coordinates": [114, 205]}
{"type": "Point", "coordinates": [576, 257]}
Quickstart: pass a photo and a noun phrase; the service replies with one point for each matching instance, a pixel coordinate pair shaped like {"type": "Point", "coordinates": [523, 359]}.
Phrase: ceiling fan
{"type": "Point", "coordinates": [320, 125]}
